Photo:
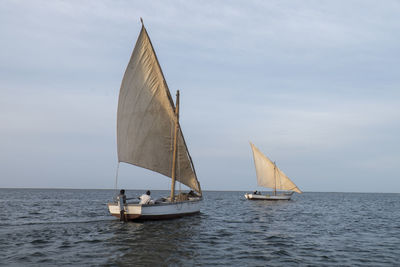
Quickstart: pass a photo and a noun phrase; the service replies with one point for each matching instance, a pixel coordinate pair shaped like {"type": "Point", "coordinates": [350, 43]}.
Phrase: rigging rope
{"type": "Point", "coordinates": [116, 179]}
{"type": "Point", "coordinates": [178, 165]}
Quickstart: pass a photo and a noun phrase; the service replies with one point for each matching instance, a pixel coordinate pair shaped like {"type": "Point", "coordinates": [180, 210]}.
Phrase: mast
{"type": "Point", "coordinates": [275, 178]}
{"type": "Point", "coordinates": [173, 176]}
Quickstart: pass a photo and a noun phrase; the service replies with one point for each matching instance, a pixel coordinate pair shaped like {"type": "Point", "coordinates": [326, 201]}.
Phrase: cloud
{"type": "Point", "coordinates": [313, 84]}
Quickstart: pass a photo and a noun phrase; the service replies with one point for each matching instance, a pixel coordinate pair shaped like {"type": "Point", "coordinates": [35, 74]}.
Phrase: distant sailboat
{"type": "Point", "coordinates": [270, 176]}
{"type": "Point", "coordinates": [149, 135]}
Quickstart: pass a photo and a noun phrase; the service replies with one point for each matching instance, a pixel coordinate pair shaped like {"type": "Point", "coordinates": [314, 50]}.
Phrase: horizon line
{"type": "Point", "coordinates": [207, 190]}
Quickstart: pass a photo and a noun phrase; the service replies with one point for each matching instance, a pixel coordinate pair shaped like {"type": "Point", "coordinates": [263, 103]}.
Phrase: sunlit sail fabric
{"type": "Point", "coordinates": [146, 118]}
{"type": "Point", "coordinates": [269, 175]}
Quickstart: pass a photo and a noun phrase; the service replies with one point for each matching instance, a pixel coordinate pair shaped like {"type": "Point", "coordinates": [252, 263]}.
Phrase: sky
{"type": "Point", "coordinates": [315, 85]}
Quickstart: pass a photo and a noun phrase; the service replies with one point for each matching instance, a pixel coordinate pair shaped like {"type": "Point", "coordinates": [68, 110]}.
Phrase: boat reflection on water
{"type": "Point", "coordinates": [150, 243]}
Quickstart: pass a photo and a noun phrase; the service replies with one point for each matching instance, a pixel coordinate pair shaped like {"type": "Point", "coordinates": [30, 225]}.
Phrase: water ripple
{"type": "Point", "coordinates": [315, 229]}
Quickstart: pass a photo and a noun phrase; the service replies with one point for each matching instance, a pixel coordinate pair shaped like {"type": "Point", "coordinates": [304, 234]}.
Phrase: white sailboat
{"type": "Point", "coordinates": [149, 136]}
{"type": "Point", "coordinates": [270, 176]}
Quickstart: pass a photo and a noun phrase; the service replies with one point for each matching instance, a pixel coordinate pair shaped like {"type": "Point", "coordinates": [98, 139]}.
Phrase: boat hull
{"type": "Point", "coordinates": [158, 211]}
{"type": "Point", "coordinates": [284, 196]}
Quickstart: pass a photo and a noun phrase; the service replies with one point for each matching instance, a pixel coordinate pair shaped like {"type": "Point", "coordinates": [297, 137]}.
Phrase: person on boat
{"type": "Point", "coordinates": [145, 198]}
{"type": "Point", "coordinates": [122, 202]}
{"type": "Point", "coordinates": [192, 194]}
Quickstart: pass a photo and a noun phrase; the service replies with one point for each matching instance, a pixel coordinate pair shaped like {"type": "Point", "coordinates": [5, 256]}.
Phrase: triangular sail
{"type": "Point", "coordinates": [146, 118]}
{"type": "Point", "coordinates": [269, 175]}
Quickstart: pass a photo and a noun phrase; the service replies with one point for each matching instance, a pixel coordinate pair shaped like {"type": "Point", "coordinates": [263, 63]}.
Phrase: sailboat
{"type": "Point", "coordinates": [149, 136]}
{"type": "Point", "coordinates": [270, 176]}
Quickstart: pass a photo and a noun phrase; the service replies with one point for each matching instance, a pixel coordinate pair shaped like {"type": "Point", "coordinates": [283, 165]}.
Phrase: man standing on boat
{"type": "Point", "coordinates": [122, 202]}
{"type": "Point", "coordinates": [145, 198]}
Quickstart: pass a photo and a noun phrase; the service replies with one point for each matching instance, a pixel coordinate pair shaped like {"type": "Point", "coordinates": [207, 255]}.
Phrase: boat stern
{"type": "Point", "coordinates": [132, 211]}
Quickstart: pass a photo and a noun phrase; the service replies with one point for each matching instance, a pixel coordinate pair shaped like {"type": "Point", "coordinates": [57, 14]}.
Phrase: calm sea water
{"type": "Point", "coordinates": [72, 227]}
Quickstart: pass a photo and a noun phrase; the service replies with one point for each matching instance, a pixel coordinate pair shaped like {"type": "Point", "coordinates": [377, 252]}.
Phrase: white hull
{"type": "Point", "coordinates": [164, 210]}
{"type": "Point", "coordinates": [280, 196]}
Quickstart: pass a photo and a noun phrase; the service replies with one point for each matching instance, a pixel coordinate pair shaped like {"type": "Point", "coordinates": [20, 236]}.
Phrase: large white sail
{"type": "Point", "coordinates": [146, 118]}
{"type": "Point", "coordinates": [269, 175]}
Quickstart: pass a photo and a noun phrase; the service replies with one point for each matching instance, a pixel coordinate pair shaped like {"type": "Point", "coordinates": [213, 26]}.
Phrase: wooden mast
{"type": "Point", "coordinates": [173, 176]}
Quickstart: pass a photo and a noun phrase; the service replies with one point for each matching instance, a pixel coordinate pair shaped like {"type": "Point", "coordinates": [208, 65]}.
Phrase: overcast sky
{"type": "Point", "coordinates": [315, 85]}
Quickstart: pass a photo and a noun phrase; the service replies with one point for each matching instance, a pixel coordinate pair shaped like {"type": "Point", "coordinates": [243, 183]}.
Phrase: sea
{"type": "Point", "coordinates": [65, 227]}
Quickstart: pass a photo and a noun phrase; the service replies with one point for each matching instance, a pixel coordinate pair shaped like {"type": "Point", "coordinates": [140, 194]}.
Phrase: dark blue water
{"type": "Point", "coordinates": [72, 227]}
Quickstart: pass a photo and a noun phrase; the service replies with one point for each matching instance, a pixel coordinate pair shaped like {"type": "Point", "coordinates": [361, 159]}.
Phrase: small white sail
{"type": "Point", "coordinates": [146, 118]}
{"type": "Point", "coordinates": [269, 175]}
